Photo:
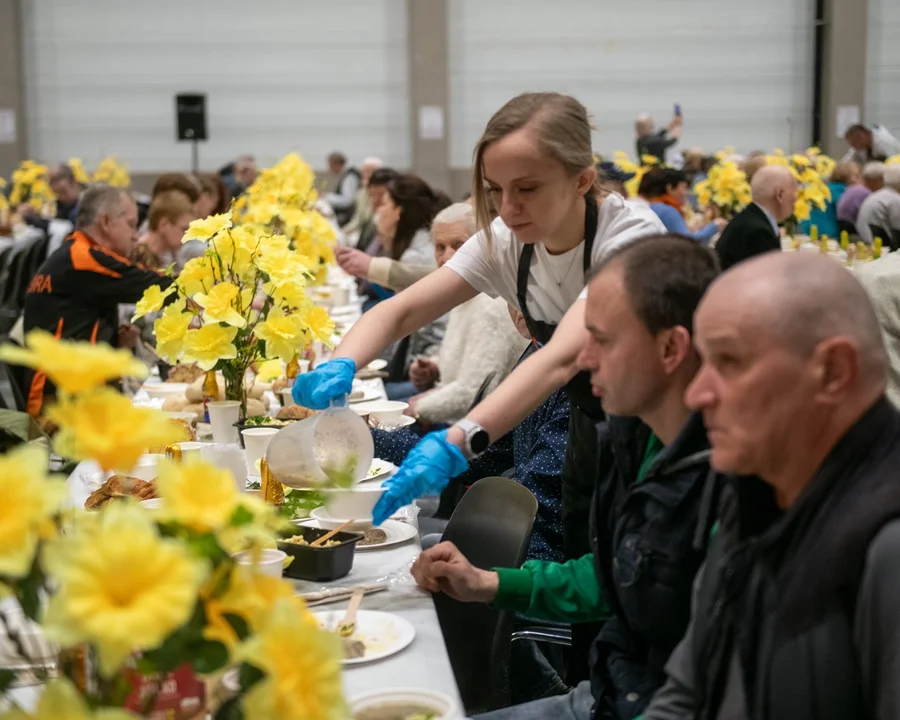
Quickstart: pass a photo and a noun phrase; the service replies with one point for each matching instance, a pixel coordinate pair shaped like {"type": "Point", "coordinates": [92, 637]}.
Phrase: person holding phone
{"type": "Point", "coordinates": [651, 141]}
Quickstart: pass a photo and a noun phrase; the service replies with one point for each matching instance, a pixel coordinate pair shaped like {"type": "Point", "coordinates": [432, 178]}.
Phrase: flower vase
{"type": "Point", "coordinates": [235, 386]}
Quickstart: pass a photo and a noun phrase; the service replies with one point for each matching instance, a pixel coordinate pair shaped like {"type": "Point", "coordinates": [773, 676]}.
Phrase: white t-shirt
{"type": "Point", "coordinates": [555, 281]}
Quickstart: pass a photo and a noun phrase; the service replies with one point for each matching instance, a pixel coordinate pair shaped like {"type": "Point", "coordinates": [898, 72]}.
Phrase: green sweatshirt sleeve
{"type": "Point", "coordinates": [556, 592]}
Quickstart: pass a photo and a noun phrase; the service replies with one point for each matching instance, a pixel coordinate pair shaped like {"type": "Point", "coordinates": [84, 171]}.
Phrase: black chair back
{"type": "Point", "coordinates": [492, 527]}
{"type": "Point", "coordinates": [880, 232]}
{"type": "Point", "coordinates": [846, 226]}
{"type": "Point", "coordinates": [12, 392]}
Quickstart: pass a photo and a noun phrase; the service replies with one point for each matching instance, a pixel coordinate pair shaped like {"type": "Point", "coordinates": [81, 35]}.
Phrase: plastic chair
{"type": "Point", "coordinates": [12, 392]}
{"type": "Point", "coordinates": [492, 527]}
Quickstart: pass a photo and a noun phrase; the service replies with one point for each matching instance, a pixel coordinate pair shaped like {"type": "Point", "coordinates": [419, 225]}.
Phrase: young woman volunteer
{"type": "Point", "coordinates": [535, 162]}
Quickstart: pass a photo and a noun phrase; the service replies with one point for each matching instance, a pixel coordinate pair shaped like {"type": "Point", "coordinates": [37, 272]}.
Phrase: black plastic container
{"type": "Point", "coordinates": [320, 563]}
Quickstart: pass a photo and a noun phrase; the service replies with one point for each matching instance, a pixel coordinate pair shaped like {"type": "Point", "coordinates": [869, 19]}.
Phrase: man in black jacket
{"type": "Point", "coordinates": [795, 612]}
{"type": "Point", "coordinates": [754, 230]}
{"type": "Point", "coordinates": [647, 502]}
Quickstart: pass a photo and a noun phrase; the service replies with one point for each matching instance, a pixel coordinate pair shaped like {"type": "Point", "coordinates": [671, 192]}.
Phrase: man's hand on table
{"type": "Point", "coordinates": [445, 569]}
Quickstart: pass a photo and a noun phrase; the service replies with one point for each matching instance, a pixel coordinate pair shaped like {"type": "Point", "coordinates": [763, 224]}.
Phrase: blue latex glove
{"type": "Point", "coordinates": [426, 471]}
{"type": "Point", "coordinates": [316, 390]}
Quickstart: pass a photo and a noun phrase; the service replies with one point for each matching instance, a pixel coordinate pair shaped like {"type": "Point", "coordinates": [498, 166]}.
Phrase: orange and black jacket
{"type": "Point", "coordinates": [75, 295]}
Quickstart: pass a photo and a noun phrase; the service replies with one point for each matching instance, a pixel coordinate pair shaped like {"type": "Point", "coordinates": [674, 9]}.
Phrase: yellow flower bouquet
{"type": "Point", "coordinates": [812, 189]}
{"type": "Point", "coordinates": [30, 184]}
{"type": "Point", "coordinates": [133, 596]}
{"type": "Point", "coordinates": [726, 187]}
{"type": "Point", "coordinates": [282, 201]}
{"type": "Point", "coordinates": [242, 301]}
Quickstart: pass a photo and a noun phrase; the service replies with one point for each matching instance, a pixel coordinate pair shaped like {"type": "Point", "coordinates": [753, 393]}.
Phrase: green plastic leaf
{"type": "Point", "coordinates": [241, 516]}
{"type": "Point", "coordinates": [230, 710]}
{"type": "Point", "coordinates": [238, 624]}
{"type": "Point", "coordinates": [7, 678]}
{"type": "Point", "coordinates": [209, 656]}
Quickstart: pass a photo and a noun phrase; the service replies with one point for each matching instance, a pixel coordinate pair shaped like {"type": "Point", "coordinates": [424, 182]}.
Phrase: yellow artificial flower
{"type": "Point", "coordinates": [170, 329]}
{"type": "Point", "coordinates": [200, 495]}
{"type": "Point", "coordinates": [121, 587]}
{"type": "Point", "coordinates": [73, 366]}
{"type": "Point", "coordinates": [103, 425]}
{"type": "Point", "coordinates": [318, 323]}
{"type": "Point", "coordinates": [206, 228]}
{"type": "Point", "coordinates": [81, 175]}
{"type": "Point", "coordinates": [283, 334]}
{"type": "Point", "coordinates": [198, 275]}
{"type": "Point", "coordinates": [800, 160]}
{"type": "Point", "coordinates": [209, 344]}
{"type": "Point", "coordinates": [250, 596]}
{"type": "Point", "coordinates": [289, 294]}
{"type": "Point", "coordinates": [269, 370]}
{"type": "Point", "coordinates": [152, 300]}
{"type": "Point", "coordinates": [302, 663]}
{"type": "Point", "coordinates": [61, 700]}
{"type": "Point", "coordinates": [235, 251]}
{"type": "Point", "coordinates": [221, 305]}
{"type": "Point", "coordinates": [29, 499]}
{"type": "Point", "coordinates": [893, 160]}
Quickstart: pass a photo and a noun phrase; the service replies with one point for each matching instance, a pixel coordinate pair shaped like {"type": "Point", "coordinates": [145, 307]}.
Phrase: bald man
{"type": "Point", "coordinates": [754, 230]}
{"type": "Point", "coordinates": [795, 611]}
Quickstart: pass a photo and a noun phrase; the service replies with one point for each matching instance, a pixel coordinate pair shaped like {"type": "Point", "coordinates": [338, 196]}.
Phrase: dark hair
{"type": "Point", "coordinates": [63, 171]}
{"type": "Point", "coordinates": [441, 200]}
{"type": "Point", "coordinates": [708, 163]}
{"type": "Point", "coordinates": [665, 277]}
{"type": "Point", "coordinates": [182, 182]}
{"type": "Point", "coordinates": [417, 202]}
{"type": "Point", "coordinates": [337, 157]}
{"type": "Point", "coordinates": [657, 180]}
{"type": "Point", "coordinates": [855, 129]}
{"type": "Point", "coordinates": [213, 184]}
{"type": "Point", "coordinates": [382, 176]}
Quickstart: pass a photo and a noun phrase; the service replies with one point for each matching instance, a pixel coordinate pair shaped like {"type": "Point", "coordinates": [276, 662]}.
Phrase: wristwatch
{"type": "Point", "coordinates": [477, 438]}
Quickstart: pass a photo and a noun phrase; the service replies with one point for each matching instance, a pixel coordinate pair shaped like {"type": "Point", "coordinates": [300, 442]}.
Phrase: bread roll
{"type": "Point", "coordinates": [255, 407]}
{"type": "Point", "coordinates": [175, 404]}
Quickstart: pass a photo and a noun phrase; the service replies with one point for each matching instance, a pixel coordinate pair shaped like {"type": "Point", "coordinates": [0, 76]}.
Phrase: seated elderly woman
{"type": "Point", "coordinates": [668, 193]}
{"type": "Point", "coordinates": [480, 344]}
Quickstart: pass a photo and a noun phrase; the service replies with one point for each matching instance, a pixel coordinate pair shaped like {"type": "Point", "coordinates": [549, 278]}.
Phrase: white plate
{"type": "Point", "coordinates": [404, 421]}
{"type": "Point", "coordinates": [368, 396]}
{"type": "Point", "coordinates": [330, 523]}
{"type": "Point", "coordinates": [377, 364]}
{"type": "Point", "coordinates": [397, 532]}
{"type": "Point", "coordinates": [384, 634]}
{"type": "Point", "coordinates": [380, 469]}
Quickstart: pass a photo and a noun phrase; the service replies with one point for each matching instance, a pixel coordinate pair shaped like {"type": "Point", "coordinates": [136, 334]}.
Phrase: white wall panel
{"type": "Point", "coordinates": [883, 65]}
{"type": "Point", "coordinates": [742, 72]}
{"type": "Point", "coordinates": [280, 75]}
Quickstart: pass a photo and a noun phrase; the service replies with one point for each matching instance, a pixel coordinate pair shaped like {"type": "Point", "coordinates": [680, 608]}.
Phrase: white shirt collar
{"type": "Point", "coordinates": [771, 218]}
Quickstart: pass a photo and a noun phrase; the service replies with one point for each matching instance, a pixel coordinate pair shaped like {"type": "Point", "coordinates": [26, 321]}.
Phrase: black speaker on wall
{"type": "Point", "coordinates": [190, 110]}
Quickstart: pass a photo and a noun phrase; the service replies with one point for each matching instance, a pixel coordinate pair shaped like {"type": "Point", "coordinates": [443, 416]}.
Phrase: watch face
{"type": "Point", "coordinates": [480, 442]}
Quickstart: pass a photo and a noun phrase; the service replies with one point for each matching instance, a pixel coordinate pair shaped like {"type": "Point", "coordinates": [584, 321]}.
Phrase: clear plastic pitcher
{"type": "Point", "coordinates": [332, 448]}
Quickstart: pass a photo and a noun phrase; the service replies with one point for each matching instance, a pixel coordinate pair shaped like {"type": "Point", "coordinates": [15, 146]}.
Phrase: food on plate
{"type": "Point", "coordinates": [265, 421]}
{"type": "Point", "coordinates": [120, 486]}
{"type": "Point", "coordinates": [397, 711]}
{"type": "Point", "coordinates": [373, 536]}
{"type": "Point", "coordinates": [294, 412]}
{"type": "Point", "coordinates": [185, 373]}
{"type": "Point", "coordinates": [353, 648]}
{"type": "Point", "coordinates": [357, 395]}
{"type": "Point", "coordinates": [300, 540]}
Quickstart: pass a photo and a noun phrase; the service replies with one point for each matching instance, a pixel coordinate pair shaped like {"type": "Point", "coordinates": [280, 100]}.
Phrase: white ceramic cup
{"type": "Point", "coordinates": [256, 440]}
{"type": "Point", "coordinates": [388, 412]}
{"type": "Point", "coordinates": [271, 562]}
{"type": "Point", "coordinates": [189, 450]}
{"type": "Point", "coordinates": [223, 414]}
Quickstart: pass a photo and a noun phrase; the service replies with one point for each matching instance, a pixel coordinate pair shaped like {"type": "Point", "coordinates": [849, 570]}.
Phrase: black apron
{"type": "Point", "coordinates": [581, 467]}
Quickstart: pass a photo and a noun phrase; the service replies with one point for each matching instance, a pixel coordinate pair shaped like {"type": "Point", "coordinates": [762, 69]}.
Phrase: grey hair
{"type": "Point", "coordinates": [100, 200]}
{"type": "Point", "coordinates": [873, 170]}
{"type": "Point", "coordinates": [892, 176]}
{"type": "Point", "coordinates": [374, 162]}
{"type": "Point", "coordinates": [457, 213]}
